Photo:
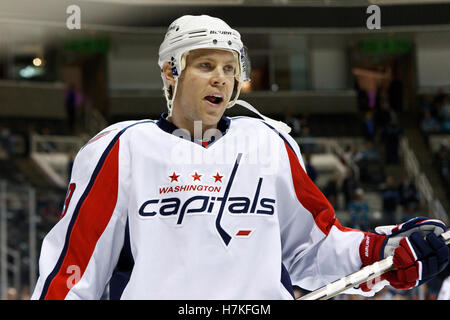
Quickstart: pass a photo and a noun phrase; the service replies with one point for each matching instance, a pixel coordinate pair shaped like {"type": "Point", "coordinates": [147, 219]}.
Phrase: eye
{"type": "Point", "coordinates": [205, 65]}
{"type": "Point", "coordinates": [229, 68]}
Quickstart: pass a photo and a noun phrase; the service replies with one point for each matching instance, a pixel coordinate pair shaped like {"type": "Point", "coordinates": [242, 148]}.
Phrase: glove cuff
{"type": "Point", "coordinates": [370, 248]}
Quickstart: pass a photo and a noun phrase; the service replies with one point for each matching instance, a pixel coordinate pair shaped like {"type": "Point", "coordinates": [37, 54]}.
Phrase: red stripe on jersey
{"type": "Point", "coordinates": [311, 198]}
{"type": "Point", "coordinates": [93, 217]}
{"type": "Point", "coordinates": [243, 232]}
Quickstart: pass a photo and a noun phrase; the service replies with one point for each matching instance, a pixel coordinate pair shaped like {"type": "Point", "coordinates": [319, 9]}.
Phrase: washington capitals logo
{"type": "Point", "coordinates": [207, 204]}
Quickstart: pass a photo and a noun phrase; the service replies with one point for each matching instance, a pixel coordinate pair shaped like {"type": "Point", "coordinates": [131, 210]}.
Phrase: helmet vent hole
{"type": "Point", "coordinates": [197, 33]}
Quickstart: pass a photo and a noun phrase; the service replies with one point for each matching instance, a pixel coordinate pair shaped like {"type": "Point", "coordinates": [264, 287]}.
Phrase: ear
{"type": "Point", "coordinates": [167, 71]}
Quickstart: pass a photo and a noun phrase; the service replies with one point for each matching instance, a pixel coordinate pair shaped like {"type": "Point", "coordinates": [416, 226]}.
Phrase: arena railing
{"type": "Point", "coordinates": [14, 257]}
{"type": "Point", "coordinates": [435, 208]}
{"type": "Point", "coordinates": [53, 153]}
{"type": "Point", "coordinates": [332, 146]}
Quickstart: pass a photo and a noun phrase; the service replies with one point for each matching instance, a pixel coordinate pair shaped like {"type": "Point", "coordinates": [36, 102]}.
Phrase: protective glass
{"type": "Point", "coordinates": [245, 63]}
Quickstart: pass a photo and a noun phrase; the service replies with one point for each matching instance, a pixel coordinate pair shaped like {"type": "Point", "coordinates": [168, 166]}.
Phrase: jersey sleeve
{"type": "Point", "coordinates": [316, 249]}
{"type": "Point", "coordinates": [79, 253]}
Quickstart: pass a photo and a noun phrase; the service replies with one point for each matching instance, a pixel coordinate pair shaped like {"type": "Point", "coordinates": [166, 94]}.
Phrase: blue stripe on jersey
{"type": "Point", "coordinates": [225, 236]}
{"type": "Point", "coordinates": [77, 208]}
{"type": "Point", "coordinates": [122, 272]}
{"type": "Point", "coordinates": [282, 137]}
{"type": "Point", "coordinates": [286, 280]}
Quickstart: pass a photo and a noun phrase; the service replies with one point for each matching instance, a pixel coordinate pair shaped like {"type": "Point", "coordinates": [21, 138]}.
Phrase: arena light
{"type": "Point", "coordinates": [246, 87]}
{"type": "Point", "coordinates": [37, 62]}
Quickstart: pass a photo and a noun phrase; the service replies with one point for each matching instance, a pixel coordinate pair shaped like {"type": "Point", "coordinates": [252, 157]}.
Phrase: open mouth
{"type": "Point", "coordinates": [214, 99]}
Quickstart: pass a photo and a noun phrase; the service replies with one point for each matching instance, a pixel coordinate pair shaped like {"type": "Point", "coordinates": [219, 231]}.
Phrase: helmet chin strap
{"type": "Point", "coordinates": [274, 123]}
{"type": "Point", "coordinates": [170, 101]}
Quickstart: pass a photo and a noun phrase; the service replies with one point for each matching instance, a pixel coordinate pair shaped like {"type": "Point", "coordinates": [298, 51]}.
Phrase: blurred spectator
{"type": "Point", "coordinates": [48, 146]}
{"type": "Point", "coordinates": [445, 114]}
{"type": "Point", "coordinates": [71, 106]}
{"type": "Point", "coordinates": [396, 92]}
{"type": "Point", "coordinates": [424, 105]}
{"type": "Point", "coordinates": [362, 98]}
{"type": "Point", "coordinates": [443, 160]}
{"type": "Point", "coordinates": [435, 109]}
{"type": "Point", "coordinates": [409, 198]}
{"type": "Point", "coordinates": [11, 294]}
{"type": "Point", "coordinates": [331, 190]}
{"type": "Point", "coordinates": [27, 139]}
{"type": "Point", "coordinates": [7, 141]}
{"type": "Point", "coordinates": [25, 293]}
{"type": "Point", "coordinates": [383, 116]}
{"type": "Point", "coordinates": [48, 207]}
{"type": "Point", "coordinates": [371, 168]}
{"type": "Point", "coordinates": [391, 136]}
{"type": "Point", "coordinates": [304, 118]}
{"type": "Point", "coordinates": [359, 211]}
{"type": "Point", "coordinates": [368, 126]}
{"type": "Point", "coordinates": [349, 185]}
{"type": "Point", "coordinates": [307, 141]}
{"type": "Point", "coordinates": [368, 153]}
{"type": "Point", "coordinates": [429, 123]}
{"type": "Point", "coordinates": [349, 154]}
{"type": "Point", "coordinates": [370, 81]}
{"type": "Point", "coordinates": [310, 169]}
{"type": "Point", "coordinates": [390, 196]}
{"type": "Point", "coordinates": [73, 101]}
{"type": "Point", "coordinates": [292, 121]}
{"type": "Point", "coordinates": [437, 103]}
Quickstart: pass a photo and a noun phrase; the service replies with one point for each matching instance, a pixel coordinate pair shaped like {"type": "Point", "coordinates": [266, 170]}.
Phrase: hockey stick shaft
{"type": "Point", "coordinates": [352, 280]}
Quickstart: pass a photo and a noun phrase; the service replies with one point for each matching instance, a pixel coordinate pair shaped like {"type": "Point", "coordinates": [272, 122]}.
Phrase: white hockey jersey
{"type": "Point", "coordinates": [161, 216]}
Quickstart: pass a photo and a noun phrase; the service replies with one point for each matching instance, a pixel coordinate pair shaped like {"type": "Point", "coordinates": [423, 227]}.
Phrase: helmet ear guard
{"type": "Point", "coordinates": [169, 91]}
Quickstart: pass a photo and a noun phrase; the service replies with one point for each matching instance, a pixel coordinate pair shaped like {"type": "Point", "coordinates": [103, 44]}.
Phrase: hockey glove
{"type": "Point", "coordinates": [418, 253]}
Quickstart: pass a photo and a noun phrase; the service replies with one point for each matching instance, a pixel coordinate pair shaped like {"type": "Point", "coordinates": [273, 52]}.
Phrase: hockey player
{"type": "Point", "coordinates": [197, 205]}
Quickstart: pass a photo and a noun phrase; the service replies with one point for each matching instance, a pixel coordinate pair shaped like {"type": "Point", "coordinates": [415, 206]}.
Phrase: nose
{"type": "Point", "coordinates": [218, 77]}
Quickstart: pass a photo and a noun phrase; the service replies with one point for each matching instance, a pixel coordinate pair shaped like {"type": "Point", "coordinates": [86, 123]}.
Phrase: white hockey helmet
{"type": "Point", "coordinates": [200, 32]}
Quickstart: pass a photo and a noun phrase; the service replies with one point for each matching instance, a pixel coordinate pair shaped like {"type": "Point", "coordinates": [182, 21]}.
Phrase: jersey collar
{"type": "Point", "coordinates": [169, 127]}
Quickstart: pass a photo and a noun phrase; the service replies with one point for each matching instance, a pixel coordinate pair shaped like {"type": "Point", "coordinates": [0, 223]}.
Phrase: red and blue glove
{"type": "Point", "coordinates": [418, 252]}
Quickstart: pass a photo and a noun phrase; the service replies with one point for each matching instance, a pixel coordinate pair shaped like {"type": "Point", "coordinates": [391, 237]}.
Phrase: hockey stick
{"type": "Point", "coordinates": [352, 280]}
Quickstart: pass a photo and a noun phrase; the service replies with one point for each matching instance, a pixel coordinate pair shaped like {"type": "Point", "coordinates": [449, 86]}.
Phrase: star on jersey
{"type": "Point", "coordinates": [218, 178]}
{"type": "Point", "coordinates": [196, 176]}
{"type": "Point", "coordinates": [174, 177]}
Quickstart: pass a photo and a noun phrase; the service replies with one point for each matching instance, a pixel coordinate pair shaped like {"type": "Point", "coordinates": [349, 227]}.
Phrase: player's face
{"type": "Point", "coordinates": [205, 86]}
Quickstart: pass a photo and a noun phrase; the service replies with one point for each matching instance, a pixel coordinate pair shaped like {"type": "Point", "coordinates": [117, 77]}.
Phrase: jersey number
{"type": "Point", "coordinates": [69, 194]}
